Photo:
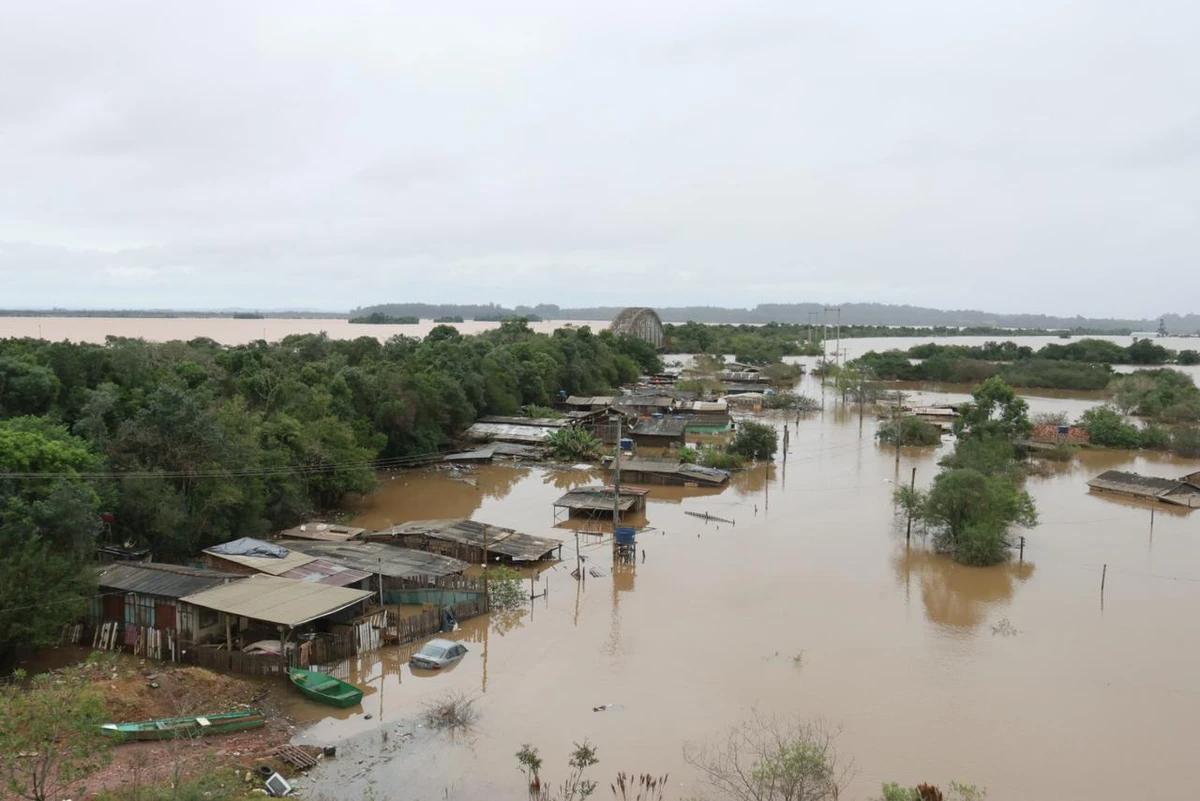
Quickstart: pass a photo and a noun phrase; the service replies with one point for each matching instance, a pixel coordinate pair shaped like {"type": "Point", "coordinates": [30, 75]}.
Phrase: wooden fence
{"type": "Point", "coordinates": [324, 650]}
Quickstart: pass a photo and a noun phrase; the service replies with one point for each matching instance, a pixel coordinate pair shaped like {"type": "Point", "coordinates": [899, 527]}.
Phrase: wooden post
{"type": "Point", "coordinates": [487, 599]}
{"type": "Point", "coordinates": [1103, 575]}
{"type": "Point", "coordinates": [1022, 556]}
{"type": "Point", "coordinates": [380, 565]}
{"type": "Point", "coordinates": [578, 558]}
{"type": "Point", "coordinates": [912, 486]}
{"type": "Point", "coordinates": [228, 633]}
{"type": "Point", "coordinates": [616, 491]}
{"type": "Point", "coordinates": [1152, 521]}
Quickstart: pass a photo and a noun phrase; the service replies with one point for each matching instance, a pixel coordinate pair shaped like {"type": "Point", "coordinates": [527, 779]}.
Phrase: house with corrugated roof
{"type": "Point", "coordinates": [1176, 492]}
{"type": "Point", "coordinates": [140, 606]}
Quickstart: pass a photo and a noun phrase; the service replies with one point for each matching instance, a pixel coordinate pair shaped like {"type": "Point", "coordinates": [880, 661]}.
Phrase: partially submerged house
{"type": "Point", "coordinates": [519, 430]}
{"type": "Point", "coordinates": [468, 539]}
{"type": "Point", "coordinates": [662, 471]}
{"type": "Point", "coordinates": [140, 606]}
{"type": "Point", "coordinates": [1176, 492]}
{"type": "Point", "coordinates": [597, 501]}
{"type": "Point", "coordinates": [400, 569]}
{"type": "Point", "coordinates": [666, 432]}
{"type": "Point", "coordinates": [705, 416]}
{"type": "Point", "coordinates": [497, 450]}
{"type": "Point", "coordinates": [644, 405]}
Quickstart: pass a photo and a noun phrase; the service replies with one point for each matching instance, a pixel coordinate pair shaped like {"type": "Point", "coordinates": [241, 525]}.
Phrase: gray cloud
{"type": "Point", "coordinates": [1028, 156]}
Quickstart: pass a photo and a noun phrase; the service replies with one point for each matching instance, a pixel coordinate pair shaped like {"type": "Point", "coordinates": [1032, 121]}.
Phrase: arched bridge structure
{"type": "Point", "coordinates": [641, 323]}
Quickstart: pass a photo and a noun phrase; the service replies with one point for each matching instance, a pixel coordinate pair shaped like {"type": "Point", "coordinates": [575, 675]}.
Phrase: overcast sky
{"type": "Point", "coordinates": [1030, 155]}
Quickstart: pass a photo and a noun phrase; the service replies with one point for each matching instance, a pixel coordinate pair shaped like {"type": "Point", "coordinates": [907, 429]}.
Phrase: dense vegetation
{"type": "Point", "coordinates": [977, 496]}
{"type": "Point", "coordinates": [1084, 364]}
{"type": "Point", "coordinates": [378, 318]}
{"type": "Point", "coordinates": [186, 444]}
{"type": "Point", "coordinates": [751, 344]}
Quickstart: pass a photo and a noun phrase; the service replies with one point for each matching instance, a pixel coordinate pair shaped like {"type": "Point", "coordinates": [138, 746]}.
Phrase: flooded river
{"type": "Point", "coordinates": [1016, 677]}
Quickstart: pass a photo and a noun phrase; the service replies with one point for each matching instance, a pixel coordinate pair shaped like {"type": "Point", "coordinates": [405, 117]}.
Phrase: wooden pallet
{"type": "Point", "coordinates": [296, 757]}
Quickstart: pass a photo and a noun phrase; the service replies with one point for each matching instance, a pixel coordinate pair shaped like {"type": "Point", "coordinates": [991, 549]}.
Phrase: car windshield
{"type": "Point", "coordinates": [435, 651]}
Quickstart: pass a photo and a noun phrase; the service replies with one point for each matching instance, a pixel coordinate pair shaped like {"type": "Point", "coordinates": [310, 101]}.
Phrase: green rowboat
{"type": "Point", "coordinates": [325, 689]}
{"type": "Point", "coordinates": [198, 726]}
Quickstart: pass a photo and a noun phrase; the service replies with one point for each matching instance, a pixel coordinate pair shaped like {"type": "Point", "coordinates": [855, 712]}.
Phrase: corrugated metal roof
{"type": "Point", "coordinates": [592, 400]}
{"type": "Point", "coordinates": [504, 541]}
{"type": "Point", "coordinates": [509, 432]}
{"type": "Point", "coordinates": [691, 472]}
{"type": "Point", "coordinates": [323, 532]}
{"type": "Point", "coordinates": [323, 571]}
{"type": "Point", "coordinates": [266, 564]}
{"type": "Point", "coordinates": [1134, 483]}
{"type": "Point", "coordinates": [541, 422]}
{"type": "Point", "coordinates": [390, 560]}
{"type": "Point", "coordinates": [282, 601]}
{"type": "Point", "coordinates": [166, 581]}
{"type": "Point", "coordinates": [667, 427]}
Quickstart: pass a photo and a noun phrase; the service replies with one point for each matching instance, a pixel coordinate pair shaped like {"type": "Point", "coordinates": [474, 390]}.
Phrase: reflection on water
{"type": "Point", "coordinates": [899, 645]}
{"type": "Point", "coordinates": [954, 595]}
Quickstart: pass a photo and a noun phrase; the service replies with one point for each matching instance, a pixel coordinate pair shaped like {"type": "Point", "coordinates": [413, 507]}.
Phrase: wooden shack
{"type": "Point", "coordinates": [470, 540]}
{"type": "Point", "coordinates": [666, 432]}
{"type": "Point", "coordinates": [598, 501]}
{"type": "Point", "coordinates": [671, 472]}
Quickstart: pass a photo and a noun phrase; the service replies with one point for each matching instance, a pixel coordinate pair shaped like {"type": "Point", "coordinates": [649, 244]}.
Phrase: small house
{"type": "Point", "coordinates": [667, 432]}
{"type": "Point", "coordinates": [1171, 491]}
{"type": "Point", "coordinates": [596, 501]}
{"type": "Point", "coordinates": [470, 540]}
{"type": "Point", "coordinates": [519, 430]}
{"type": "Point", "coordinates": [661, 471]}
{"type": "Point", "coordinates": [141, 606]}
{"type": "Point", "coordinates": [588, 403]}
{"type": "Point", "coordinates": [265, 607]}
{"type": "Point", "coordinates": [644, 405]}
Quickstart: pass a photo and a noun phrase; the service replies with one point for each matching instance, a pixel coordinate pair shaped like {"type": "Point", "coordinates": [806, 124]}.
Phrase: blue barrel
{"type": "Point", "coordinates": [626, 444]}
{"type": "Point", "coordinates": [626, 536]}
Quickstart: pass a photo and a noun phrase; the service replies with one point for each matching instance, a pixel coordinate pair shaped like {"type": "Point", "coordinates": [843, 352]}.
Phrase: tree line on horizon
{"type": "Point", "coordinates": [880, 314]}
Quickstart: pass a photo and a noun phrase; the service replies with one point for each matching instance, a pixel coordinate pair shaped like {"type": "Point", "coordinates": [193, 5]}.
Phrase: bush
{"type": "Point", "coordinates": [688, 455]}
{"type": "Point", "coordinates": [506, 588]}
{"type": "Point", "coordinates": [1186, 442]}
{"type": "Point", "coordinates": [1107, 428]}
{"type": "Point", "coordinates": [1188, 357]}
{"type": "Point", "coordinates": [1154, 438]}
{"type": "Point", "coordinates": [791, 401]}
{"type": "Point", "coordinates": [574, 443]}
{"type": "Point", "coordinates": [755, 441]}
{"type": "Point", "coordinates": [719, 458]}
{"type": "Point", "coordinates": [911, 430]}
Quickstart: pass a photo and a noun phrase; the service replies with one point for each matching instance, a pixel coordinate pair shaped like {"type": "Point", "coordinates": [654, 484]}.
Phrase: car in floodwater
{"type": "Point", "coordinates": [438, 654]}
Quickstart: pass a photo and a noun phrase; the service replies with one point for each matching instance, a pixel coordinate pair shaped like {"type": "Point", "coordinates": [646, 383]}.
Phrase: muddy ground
{"type": "Point", "coordinates": [137, 689]}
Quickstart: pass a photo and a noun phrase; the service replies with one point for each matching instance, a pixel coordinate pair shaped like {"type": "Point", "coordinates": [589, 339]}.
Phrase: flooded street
{"type": "Point", "coordinates": [1014, 677]}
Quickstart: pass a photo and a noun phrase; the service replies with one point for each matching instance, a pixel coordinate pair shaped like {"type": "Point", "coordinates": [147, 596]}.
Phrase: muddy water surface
{"type": "Point", "coordinates": [1015, 677]}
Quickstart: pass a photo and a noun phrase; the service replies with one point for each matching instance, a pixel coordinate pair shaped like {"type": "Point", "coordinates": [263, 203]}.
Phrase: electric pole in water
{"type": "Point", "coordinates": [838, 324]}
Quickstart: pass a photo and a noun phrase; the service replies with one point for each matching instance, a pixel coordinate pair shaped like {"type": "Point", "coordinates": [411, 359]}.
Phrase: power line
{"type": "Point", "coordinates": [236, 472]}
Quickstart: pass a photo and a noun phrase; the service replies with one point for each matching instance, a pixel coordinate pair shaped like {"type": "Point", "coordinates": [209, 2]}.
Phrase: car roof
{"type": "Point", "coordinates": [440, 643]}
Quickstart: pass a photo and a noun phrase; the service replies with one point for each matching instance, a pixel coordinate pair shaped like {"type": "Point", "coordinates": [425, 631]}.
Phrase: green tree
{"type": "Point", "coordinates": [1107, 428]}
{"type": "Point", "coordinates": [755, 440]}
{"type": "Point", "coordinates": [911, 430]}
{"type": "Point", "coordinates": [50, 735]}
{"type": "Point", "coordinates": [995, 412]}
{"type": "Point", "coordinates": [970, 513]}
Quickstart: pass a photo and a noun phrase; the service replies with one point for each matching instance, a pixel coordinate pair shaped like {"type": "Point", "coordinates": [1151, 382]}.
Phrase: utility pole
{"type": "Point", "coordinates": [912, 487]}
{"type": "Point", "coordinates": [896, 420]}
{"type": "Point", "coordinates": [838, 310]}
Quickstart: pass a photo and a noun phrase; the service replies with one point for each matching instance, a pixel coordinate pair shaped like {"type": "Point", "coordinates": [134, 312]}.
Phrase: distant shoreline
{"type": "Point", "coordinates": [161, 314]}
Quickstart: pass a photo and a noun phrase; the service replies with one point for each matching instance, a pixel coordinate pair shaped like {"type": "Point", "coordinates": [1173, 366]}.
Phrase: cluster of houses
{"type": "Point", "coordinates": [314, 583]}
{"type": "Point", "coordinates": [653, 415]}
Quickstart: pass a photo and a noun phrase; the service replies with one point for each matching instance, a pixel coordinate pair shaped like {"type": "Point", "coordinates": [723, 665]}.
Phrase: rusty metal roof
{"type": "Point", "coordinates": [323, 571]}
{"type": "Point", "coordinates": [390, 560]}
{"type": "Point", "coordinates": [166, 581]}
{"type": "Point", "coordinates": [504, 541]}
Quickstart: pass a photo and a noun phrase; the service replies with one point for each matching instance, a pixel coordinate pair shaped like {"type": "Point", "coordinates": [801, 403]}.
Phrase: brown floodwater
{"type": "Point", "coordinates": [1018, 677]}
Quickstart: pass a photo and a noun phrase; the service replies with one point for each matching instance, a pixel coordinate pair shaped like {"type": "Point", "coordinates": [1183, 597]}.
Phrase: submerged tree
{"type": "Point", "coordinates": [772, 759]}
{"type": "Point", "coordinates": [755, 441]}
